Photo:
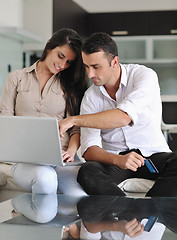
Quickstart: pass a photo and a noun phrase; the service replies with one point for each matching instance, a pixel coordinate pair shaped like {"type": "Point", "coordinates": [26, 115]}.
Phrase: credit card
{"type": "Point", "coordinates": [151, 166]}
{"type": "Point", "coordinates": [151, 221]}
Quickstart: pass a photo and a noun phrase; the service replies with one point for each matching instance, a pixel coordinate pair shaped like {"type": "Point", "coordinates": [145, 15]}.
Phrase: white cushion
{"type": "Point", "coordinates": [3, 179]}
{"type": "Point", "coordinates": [136, 185]}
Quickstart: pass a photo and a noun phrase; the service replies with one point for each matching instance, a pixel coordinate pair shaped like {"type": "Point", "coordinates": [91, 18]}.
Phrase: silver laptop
{"type": "Point", "coordinates": [31, 140]}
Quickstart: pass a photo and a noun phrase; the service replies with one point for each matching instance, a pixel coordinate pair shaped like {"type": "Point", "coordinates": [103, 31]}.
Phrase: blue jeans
{"type": "Point", "coordinates": [47, 179]}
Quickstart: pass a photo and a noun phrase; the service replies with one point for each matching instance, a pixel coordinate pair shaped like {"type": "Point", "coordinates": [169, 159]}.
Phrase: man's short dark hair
{"type": "Point", "coordinates": [100, 41]}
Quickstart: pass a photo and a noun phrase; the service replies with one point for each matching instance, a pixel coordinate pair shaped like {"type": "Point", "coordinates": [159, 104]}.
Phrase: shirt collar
{"type": "Point", "coordinates": [32, 67]}
{"type": "Point", "coordinates": [123, 79]}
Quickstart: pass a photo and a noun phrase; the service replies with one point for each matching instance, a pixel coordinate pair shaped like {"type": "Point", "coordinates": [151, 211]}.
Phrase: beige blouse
{"type": "Point", "coordinates": [22, 97]}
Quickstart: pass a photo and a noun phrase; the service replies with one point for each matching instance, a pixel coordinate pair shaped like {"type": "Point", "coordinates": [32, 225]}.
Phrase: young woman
{"type": "Point", "coordinates": [51, 87]}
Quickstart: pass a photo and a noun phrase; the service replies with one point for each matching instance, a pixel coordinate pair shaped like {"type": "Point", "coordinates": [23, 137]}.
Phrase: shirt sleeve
{"type": "Point", "coordinates": [144, 88]}
{"type": "Point", "coordinates": [9, 94]}
{"type": "Point", "coordinates": [90, 136]}
{"type": "Point", "coordinates": [84, 234]}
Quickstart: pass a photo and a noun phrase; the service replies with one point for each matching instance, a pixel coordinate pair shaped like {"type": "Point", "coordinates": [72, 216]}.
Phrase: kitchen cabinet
{"type": "Point", "coordinates": [68, 14]}
{"type": "Point", "coordinates": [134, 23]}
{"type": "Point", "coordinates": [162, 22]}
{"type": "Point", "coordinates": [147, 49]}
{"type": "Point", "coordinates": [169, 116]}
{"type": "Point", "coordinates": [19, 34]}
{"type": "Point", "coordinates": [172, 141]}
{"type": "Point", "coordinates": [131, 23]}
{"type": "Point", "coordinates": [157, 52]}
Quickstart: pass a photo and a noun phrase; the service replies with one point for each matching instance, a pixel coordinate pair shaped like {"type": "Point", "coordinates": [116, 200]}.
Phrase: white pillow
{"type": "Point", "coordinates": [136, 185]}
{"type": "Point", "coordinates": [3, 179]}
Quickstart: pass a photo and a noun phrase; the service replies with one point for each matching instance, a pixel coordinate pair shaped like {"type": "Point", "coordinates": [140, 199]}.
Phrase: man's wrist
{"type": "Point", "coordinates": [76, 121]}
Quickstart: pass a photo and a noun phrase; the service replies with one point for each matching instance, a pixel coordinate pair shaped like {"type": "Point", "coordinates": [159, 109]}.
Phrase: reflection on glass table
{"type": "Point", "coordinates": [106, 217]}
{"type": "Point", "coordinates": [55, 217]}
{"type": "Point", "coordinates": [40, 217]}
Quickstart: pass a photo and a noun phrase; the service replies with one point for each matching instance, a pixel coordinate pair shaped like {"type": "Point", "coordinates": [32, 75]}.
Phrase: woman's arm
{"type": "Point", "coordinates": [73, 146]}
{"type": "Point", "coordinates": [9, 94]}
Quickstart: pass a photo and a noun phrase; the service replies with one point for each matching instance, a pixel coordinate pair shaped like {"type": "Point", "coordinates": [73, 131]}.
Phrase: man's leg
{"type": "Point", "coordinates": [165, 185]}
{"type": "Point", "coordinates": [101, 179]}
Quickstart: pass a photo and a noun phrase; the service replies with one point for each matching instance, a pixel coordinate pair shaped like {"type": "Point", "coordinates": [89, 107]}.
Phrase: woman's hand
{"type": "Point", "coordinates": [67, 157]}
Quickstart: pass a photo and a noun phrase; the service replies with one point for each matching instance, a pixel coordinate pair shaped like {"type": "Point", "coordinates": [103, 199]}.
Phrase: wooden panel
{"type": "Point", "coordinates": [160, 23]}
{"type": "Point", "coordinates": [136, 23]}
{"type": "Point", "coordinates": [66, 13]}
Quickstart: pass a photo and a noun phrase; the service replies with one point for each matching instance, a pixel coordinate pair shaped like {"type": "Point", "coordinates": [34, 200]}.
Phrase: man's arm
{"type": "Point", "coordinates": [132, 228]}
{"type": "Point", "coordinates": [113, 118]}
{"type": "Point", "coordinates": [130, 161]}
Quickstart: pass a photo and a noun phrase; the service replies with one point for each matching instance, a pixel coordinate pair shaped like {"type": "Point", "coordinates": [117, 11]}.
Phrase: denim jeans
{"type": "Point", "coordinates": [47, 179]}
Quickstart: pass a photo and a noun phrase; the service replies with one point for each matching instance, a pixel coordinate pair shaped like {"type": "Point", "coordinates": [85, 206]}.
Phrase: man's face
{"type": "Point", "coordinates": [98, 68]}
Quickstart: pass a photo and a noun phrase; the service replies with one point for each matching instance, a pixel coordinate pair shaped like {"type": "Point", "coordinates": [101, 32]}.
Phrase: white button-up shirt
{"type": "Point", "coordinates": [139, 96]}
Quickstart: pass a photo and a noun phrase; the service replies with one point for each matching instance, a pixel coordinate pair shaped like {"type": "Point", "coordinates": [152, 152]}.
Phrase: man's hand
{"type": "Point", "coordinates": [132, 228]}
{"type": "Point", "coordinates": [64, 125]}
{"type": "Point", "coordinates": [130, 161]}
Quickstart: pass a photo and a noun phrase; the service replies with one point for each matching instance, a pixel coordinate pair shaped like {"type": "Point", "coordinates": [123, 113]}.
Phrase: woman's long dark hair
{"type": "Point", "coordinates": [73, 79]}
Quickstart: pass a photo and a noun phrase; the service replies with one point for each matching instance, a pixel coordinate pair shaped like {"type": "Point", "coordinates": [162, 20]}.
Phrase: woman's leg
{"type": "Point", "coordinates": [41, 208]}
{"type": "Point", "coordinates": [35, 178]}
{"type": "Point", "coordinates": [67, 180]}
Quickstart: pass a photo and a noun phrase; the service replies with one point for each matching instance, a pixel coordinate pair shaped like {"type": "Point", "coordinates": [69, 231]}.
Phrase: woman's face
{"type": "Point", "coordinates": [59, 58]}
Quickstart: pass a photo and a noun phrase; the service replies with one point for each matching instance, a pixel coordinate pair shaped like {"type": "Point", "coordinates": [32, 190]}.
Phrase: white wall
{"type": "Point", "coordinates": [11, 52]}
{"type": "Point", "coordinates": [96, 6]}
{"type": "Point", "coordinates": [35, 16]}
{"type": "Point", "coordinates": [38, 18]}
{"type": "Point", "coordinates": [11, 13]}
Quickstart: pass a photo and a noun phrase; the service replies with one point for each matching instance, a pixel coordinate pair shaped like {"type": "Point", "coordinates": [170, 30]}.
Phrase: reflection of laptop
{"type": "Point", "coordinates": [31, 140]}
{"type": "Point", "coordinates": [59, 220]}
{"type": "Point", "coordinates": [18, 227]}
{"type": "Point", "coordinates": [29, 232]}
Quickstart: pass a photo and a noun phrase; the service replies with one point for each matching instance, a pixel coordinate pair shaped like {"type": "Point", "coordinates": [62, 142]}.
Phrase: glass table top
{"type": "Point", "coordinates": [55, 217]}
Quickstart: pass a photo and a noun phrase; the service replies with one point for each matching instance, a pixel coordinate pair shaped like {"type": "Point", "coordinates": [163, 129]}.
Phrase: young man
{"type": "Point", "coordinates": [121, 124]}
